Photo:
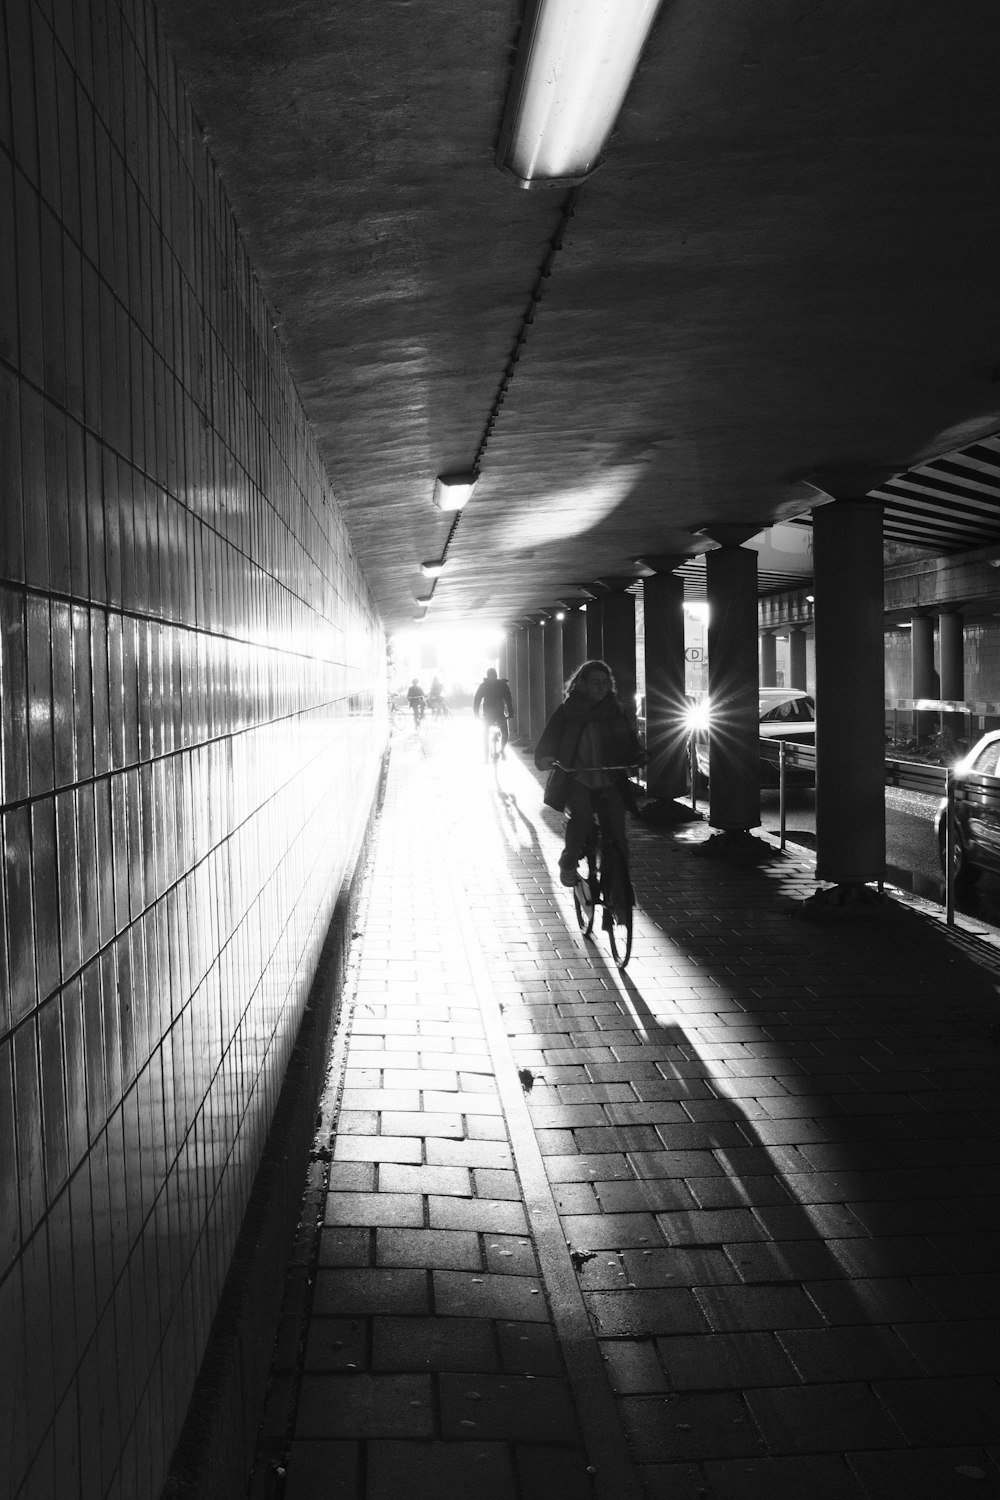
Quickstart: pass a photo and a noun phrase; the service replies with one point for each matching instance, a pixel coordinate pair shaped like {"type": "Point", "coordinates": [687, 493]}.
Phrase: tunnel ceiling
{"type": "Point", "coordinates": [780, 284]}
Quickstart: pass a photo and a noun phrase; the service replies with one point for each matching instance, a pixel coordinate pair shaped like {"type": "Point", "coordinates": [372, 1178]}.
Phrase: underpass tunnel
{"type": "Point", "coordinates": [194, 737]}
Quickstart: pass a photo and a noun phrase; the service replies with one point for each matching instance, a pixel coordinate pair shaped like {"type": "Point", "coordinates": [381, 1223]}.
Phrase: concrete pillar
{"type": "Point", "coordinates": [618, 615]}
{"type": "Point", "coordinates": [520, 684]}
{"type": "Point", "coordinates": [797, 673]}
{"type": "Point", "coordinates": [666, 706]}
{"type": "Point", "coordinates": [553, 665]}
{"type": "Point", "coordinates": [922, 679]}
{"type": "Point", "coordinates": [850, 692]}
{"type": "Point", "coordinates": [951, 645]}
{"type": "Point", "coordinates": [734, 757]}
{"type": "Point", "coordinates": [503, 668]}
{"type": "Point", "coordinates": [595, 629]}
{"type": "Point", "coordinates": [574, 637]}
{"type": "Point", "coordinates": [536, 681]}
{"type": "Point", "coordinates": [768, 659]}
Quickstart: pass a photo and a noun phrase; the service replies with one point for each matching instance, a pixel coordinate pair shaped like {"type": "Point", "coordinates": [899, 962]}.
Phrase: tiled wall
{"type": "Point", "coordinates": [192, 686]}
{"type": "Point", "coordinates": [981, 662]}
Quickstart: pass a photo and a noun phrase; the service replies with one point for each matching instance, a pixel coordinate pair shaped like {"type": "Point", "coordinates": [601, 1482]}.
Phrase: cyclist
{"type": "Point", "coordinates": [415, 698]}
{"type": "Point", "coordinates": [588, 730]}
{"type": "Point", "coordinates": [494, 702]}
{"type": "Point", "coordinates": [438, 707]}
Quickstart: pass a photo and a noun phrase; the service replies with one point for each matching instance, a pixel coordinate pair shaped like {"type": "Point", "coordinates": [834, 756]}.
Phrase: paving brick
{"type": "Point", "coordinates": [956, 1410]}
{"type": "Point", "coordinates": [422, 1123]}
{"type": "Point", "coordinates": [817, 1419]}
{"type": "Point", "coordinates": [725, 1361]}
{"type": "Point", "coordinates": [467, 1153]}
{"type": "Point", "coordinates": [376, 1148]}
{"type": "Point", "coordinates": [633, 1367]}
{"type": "Point", "coordinates": [611, 1231]}
{"type": "Point", "coordinates": [640, 1313]}
{"type": "Point", "coordinates": [330, 1469]}
{"type": "Point", "coordinates": [785, 1479]}
{"type": "Point", "coordinates": [459, 1294]}
{"type": "Point", "coordinates": [450, 1249]}
{"type": "Point", "coordinates": [847, 1353]}
{"type": "Point", "coordinates": [343, 1292]}
{"type": "Point", "coordinates": [686, 1427]}
{"type": "Point", "coordinates": [345, 1246]}
{"type": "Point", "coordinates": [529, 1409]}
{"type": "Point", "coordinates": [374, 1208]}
{"type": "Point", "coordinates": [439, 1471]}
{"type": "Point", "coordinates": [938, 1473]}
{"type": "Point", "coordinates": [488, 1215]}
{"type": "Point", "coordinates": [433, 1343]}
{"type": "Point", "coordinates": [732, 1308]}
{"type": "Point", "coordinates": [395, 1177]}
{"type": "Point", "coordinates": [337, 1343]}
{"type": "Point", "coordinates": [365, 1406]}
{"type": "Point", "coordinates": [550, 1473]}
{"type": "Point", "coordinates": [509, 1255]}
{"type": "Point", "coordinates": [652, 1194]}
{"type": "Point", "coordinates": [678, 1266]}
{"type": "Point", "coordinates": [529, 1348]}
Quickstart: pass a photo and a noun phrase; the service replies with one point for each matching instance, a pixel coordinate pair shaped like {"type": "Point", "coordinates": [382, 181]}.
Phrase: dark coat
{"type": "Point", "coordinates": [617, 740]}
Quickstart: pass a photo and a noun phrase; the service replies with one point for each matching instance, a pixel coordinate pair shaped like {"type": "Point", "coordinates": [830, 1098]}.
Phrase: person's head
{"type": "Point", "coordinates": [491, 674]}
{"type": "Point", "coordinates": [415, 682]}
{"type": "Point", "coordinates": [593, 682]}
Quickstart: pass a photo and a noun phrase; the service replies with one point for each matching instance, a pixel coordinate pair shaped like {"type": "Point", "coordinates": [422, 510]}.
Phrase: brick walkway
{"type": "Point", "coordinates": [724, 1227]}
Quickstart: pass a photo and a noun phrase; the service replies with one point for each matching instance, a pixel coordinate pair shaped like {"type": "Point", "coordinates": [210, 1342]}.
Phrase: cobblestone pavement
{"type": "Point", "coordinates": [723, 1227]}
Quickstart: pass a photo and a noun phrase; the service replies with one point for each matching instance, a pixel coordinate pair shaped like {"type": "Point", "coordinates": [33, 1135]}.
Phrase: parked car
{"type": "Point", "coordinates": [785, 714]}
{"type": "Point", "coordinates": [976, 829]}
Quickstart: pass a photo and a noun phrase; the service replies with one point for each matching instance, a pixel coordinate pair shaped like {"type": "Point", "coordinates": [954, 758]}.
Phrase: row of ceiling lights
{"type": "Point", "coordinates": [574, 64]}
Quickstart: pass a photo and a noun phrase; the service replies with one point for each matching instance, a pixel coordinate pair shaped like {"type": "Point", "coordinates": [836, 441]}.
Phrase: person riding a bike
{"type": "Point", "coordinates": [417, 701]}
{"type": "Point", "coordinates": [436, 701]}
{"type": "Point", "coordinates": [590, 730]}
{"type": "Point", "coordinates": [494, 702]}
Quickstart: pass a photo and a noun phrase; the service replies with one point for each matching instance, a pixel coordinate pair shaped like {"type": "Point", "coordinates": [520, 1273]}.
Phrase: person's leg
{"type": "Point", "coordinates": [580, 821]}
{"type": "Point", "coordinates": [611, 815]}
{"type": "Point", "coordinates": [504, 732]}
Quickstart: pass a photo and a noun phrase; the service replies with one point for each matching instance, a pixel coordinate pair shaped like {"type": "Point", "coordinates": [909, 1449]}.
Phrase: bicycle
{"type": "Point", "coordinates": [606, 883]}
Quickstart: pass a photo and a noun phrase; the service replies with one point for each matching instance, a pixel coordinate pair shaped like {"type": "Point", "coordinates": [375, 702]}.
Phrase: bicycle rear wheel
{"type": "Point", "coordinates": [617, 904]}
{"type": "Point", "coordinates": [585, 890]}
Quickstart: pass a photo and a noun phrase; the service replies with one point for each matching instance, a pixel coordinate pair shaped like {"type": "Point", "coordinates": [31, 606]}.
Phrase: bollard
{"type": "Point", "coordinates": [949, 848]}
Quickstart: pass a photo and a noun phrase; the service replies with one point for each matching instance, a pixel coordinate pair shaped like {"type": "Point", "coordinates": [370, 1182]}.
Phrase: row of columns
{"type": "Point", "coordinates": [797, 674]}
{"type": "Point", "coordinates": [540, 655]}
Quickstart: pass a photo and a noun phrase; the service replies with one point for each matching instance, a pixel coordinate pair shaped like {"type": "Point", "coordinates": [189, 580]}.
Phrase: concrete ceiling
{"type": "Point", "coordinates": [782, 281]}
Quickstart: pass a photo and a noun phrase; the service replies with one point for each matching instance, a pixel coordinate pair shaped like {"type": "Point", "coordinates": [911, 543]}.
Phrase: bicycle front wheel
{"type": "Point", "coordinates": [617, 904]}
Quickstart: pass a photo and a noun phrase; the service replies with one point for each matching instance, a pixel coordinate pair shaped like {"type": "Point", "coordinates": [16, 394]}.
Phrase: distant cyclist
{"type": "Point", "coordinates": [436, 701]}
{"type": "Point", "coordinates": [417, 701]}
{"type": "Point", "coordinates": [494, 703]}
{"type": "Point", "coordinates": [589, 730]}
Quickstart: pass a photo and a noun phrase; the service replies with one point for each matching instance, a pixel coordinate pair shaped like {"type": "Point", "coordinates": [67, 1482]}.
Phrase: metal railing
{"type": "Point", "coordinates": [971, 788]}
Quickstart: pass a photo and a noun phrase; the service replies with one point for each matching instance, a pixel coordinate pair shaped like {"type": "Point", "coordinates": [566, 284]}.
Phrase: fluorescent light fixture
{"type": "Point", "coordinates": [574, 65]}
{"type": "Point", "coordinates": [452, 491]}
{"type": "Point", "coordinates": [425, 599]}
{"type": "Point", "coordinates": [433, 567]}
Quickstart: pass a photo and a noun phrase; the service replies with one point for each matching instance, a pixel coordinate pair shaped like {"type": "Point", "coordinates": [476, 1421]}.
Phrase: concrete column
{"type": "Point", "coordinates": [503, 654]}
{"type": "Point", "coordinates": [768, 659]}
{"type": "Point", "coordinates": [553, 666]}
{"type": "Point", "coordinates": [619, 645]}
{"type": "Point", "coordinates": [666, 706]}
{"type": "Point", "coordinates": [734, 757]}
{"type": "Point", "coordinates": [951, 645]}
{"type": "Point", "coordinates": [797, 660]}
{"type": "Point", "coordinates": [520, 684]}
{"type": "Point", "coordinates": [850, 692]}
{"type": "Point", "coordinates": [574, 636]}
{"type": "Point", "coordinates": [595, 629]}
{"type": "Point", "coordinates": [536, 680]}
{"type": "Point", "coordinates": [922, 679]}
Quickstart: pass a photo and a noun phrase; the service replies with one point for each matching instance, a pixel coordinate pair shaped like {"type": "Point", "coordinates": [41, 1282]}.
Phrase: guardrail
{"type": "Point", "coordinates": [971, 788]}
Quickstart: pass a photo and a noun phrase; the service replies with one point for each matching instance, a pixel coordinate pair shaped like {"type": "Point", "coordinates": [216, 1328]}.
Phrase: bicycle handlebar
{"type": "Point", "coordinates": [632, 766]}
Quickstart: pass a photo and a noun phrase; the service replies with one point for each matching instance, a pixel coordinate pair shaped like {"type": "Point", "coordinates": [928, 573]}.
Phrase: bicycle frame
{"type": "Point", "coordinates": [606, 884]}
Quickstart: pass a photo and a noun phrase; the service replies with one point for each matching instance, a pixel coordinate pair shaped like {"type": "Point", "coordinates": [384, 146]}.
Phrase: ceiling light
{"type": "Point", "coordinates": [433, 567]}
{"type": "Point", "coordinates": [425, 599]}
{"type": "Point", "coordinates": [451, 491]}
{"type": "Point", "coordinates": [575, 62]}
{"type": "Point", "coordinates": [560, 614]}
